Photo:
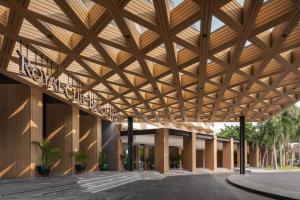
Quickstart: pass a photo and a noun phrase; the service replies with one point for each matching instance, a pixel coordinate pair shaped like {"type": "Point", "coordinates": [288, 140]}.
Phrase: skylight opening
{"type": "Point", "coordinates": [209, 61]}
{"type": "Point", "coordinates": [162, 45]}
{"type": "Point", "coordinates": [241, 2]}
{"type": "Point", "coordinates": [178, 47]}
{"type": "Point", "coordinates": [113, 23]}
{"type": "Point", "coordinates": [174, 3]}
{"type": "Point", "coordinates": [196, 26]}
{"type": "Point", "coordinates": [216, 24]}
{"type": "Point", "coordinates": [270, 29]}
{"type": "Point", "coordinates": [88, 4]}
{"type": "Point", "coordinates": [248, 43]}
{"type": "Point", "coordinates": [140, 28]}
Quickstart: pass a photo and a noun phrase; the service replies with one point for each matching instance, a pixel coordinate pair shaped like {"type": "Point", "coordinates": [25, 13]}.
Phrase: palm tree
{"type": "Point", "coordinates": [48, 154]}
{"type": "Point", "coordinates": [289, 125]}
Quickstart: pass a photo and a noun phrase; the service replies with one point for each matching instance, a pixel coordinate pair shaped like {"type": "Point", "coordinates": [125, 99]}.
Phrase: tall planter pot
{"type": "Point", "coordinates": [43, 171]}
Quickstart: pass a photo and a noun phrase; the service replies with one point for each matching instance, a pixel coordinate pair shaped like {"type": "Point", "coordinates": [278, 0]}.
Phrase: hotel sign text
{"type": "Point", "coordinates": [39, 76]}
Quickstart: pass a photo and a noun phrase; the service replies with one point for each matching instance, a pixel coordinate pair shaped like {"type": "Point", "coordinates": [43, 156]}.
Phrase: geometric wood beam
{"type": "Point", "coordinates": [14, 24]}
{"type": "Point", "coordinates": [127, 33]}
{"type": "Point", "coordinates": [206, 17]}
{"type": "Point", "coordinates": [92, 39]}
{"type": "Point", "coordinates": [251, 9]}
{"type": "Point", "coordinates": [163, 13]}
{"type": "Point", "coordinates": [278, 41]}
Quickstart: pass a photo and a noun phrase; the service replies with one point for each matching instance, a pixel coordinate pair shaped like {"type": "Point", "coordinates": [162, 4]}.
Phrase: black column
{"type": "Point", "coordinates": [130, 140]}
{"type": "Point", "coordinates": [242, 145]}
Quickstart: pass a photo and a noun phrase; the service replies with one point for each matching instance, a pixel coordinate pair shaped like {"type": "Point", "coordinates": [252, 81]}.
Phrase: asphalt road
{"type": "Point", "coordinates": [189, 187]}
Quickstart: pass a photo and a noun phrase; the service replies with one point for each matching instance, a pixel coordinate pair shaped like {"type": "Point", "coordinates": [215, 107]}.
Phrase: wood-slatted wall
{"type": "Point", "coordinates": [59, 130]}
{"type": "Point", "coordinates": [21, 123]}
{"type": "Point", "coordinates": [88, 140]}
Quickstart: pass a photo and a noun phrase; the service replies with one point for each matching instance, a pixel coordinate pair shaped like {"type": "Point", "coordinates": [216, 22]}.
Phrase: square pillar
{"type": "Point", "coordinates": [189, 153]}
{"type": "Point", "coordinates": [246, 153]}
{"type": "Point", "coordinates": [146, 156]}
{"type": "Point", "coordinates": [161, 151]}
{"type": "Point", "coordinates": [211, 154]}
{"type": "Point", "coordinates": [238, 153]}
{"type": "Point", "coordinates": [242, 146]}
{"type": "Point", "coordinates": [254, 156]}
{"type": "Point", "coordinates": [228, 154]}
{"type": "Point", "coordinates": [119, 145]}
{"type": "Point", "coordinates": [75, 133]}
{"type": "Point", "coordinates": [130, 141]}
{"type": "Point", "coordinates": [99, 137]}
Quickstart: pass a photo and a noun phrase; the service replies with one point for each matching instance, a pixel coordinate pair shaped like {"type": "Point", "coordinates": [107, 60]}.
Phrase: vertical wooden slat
{"type": "Point", "coordinates": [88, 140]}
{"type": "Point", "coordinates": [20, 124]}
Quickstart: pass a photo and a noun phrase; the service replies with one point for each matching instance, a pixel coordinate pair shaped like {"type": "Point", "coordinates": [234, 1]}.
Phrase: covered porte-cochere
{"type": "Point", "coordinates": [165, 149]}
{"type": "Point", "coordinates": [72, 72]}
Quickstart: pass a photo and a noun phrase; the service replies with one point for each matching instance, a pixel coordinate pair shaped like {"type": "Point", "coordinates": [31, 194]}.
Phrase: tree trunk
{"type": "Point", "coordinates": [280, 155]}
{"type": "Point", "coordinates": [264, 157]}
{"type": "Point", "coordinates": [275, 157]}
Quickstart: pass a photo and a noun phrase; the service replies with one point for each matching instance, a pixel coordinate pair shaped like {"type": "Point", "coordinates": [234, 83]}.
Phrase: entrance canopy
{"type": "Point", "coordinates": [157, 60]}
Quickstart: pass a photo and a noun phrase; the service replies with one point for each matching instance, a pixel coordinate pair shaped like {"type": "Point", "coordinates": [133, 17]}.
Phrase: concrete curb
{"type": "Point", "coordinates": [260, 192]}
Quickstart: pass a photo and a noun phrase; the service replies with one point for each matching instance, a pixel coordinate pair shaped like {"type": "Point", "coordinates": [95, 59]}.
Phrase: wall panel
{"type": "Point", "coordinates": [88, 140]}
{"type": "Point", "coordinates": [59, 132]}
{"type": "Point", "coordinates": [21, 123]}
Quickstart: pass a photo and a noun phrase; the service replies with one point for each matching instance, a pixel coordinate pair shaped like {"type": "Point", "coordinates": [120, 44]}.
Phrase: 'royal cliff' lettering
{"type": "Point", "coordinates": [48, 81]}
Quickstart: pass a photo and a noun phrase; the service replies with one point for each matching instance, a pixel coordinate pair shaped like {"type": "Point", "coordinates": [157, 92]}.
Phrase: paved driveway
{"type": "Point", "coordinates": [190, 187]}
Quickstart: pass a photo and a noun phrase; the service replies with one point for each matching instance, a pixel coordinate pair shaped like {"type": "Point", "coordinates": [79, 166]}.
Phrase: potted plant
{"type": "Point", "coordinates": [178, 161]}
{"type": "Point", "coordinates": [80, 161]}
{"type": "Point", "coordinates": [124, 161]}
{"type": "Point", "coordinates": [103, 166]}
{"type": "Point", "coordinates": [48, 156]}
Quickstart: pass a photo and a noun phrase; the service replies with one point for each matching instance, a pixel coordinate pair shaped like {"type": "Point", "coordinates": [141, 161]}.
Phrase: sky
{"type": "Point", "coordinates": [219, 125]}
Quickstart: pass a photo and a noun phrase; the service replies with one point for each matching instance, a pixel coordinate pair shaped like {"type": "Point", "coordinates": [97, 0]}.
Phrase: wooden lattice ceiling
{"type": "Point", "coordinates": [161, 61]}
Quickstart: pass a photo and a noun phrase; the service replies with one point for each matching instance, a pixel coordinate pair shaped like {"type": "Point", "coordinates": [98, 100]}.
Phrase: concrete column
{"type": "Point", "coordinates": [228, 154]}
{"type": "Point", "coordinates": [146, 156]}
{"type": "Point", "coordinates": [254, 156]}
{"type": "Point", "coordinates": [161, 151]}
{"type": "Point", "coordinates": [189, 153]}
{"type": "Point", "coordinates": [211, 154]}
